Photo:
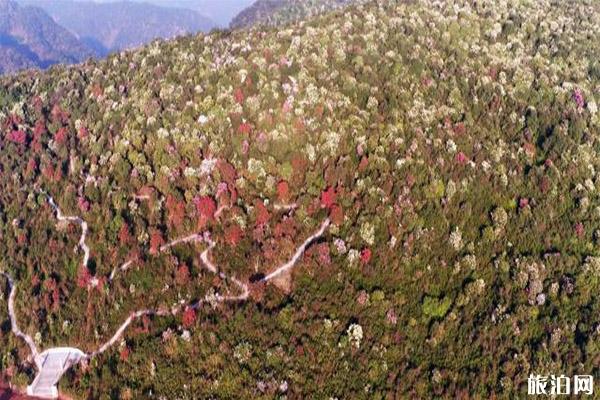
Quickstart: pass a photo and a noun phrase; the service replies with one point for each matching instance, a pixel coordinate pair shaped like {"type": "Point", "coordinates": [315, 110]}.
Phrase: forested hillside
{"type": "Point", "coordinates": [453, 145]}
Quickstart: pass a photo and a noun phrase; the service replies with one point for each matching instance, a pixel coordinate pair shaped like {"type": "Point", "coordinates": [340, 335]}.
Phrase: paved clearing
{"type": "Point", "coordinates": [53, 363]}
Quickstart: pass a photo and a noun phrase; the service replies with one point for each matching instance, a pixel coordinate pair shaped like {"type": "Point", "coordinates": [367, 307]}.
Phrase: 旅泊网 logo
{"type": "Point", "coordinates": [556, 385]}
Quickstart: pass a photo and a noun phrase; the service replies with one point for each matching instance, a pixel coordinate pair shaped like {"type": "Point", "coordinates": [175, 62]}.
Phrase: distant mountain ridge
{"type": "Point", "coordinates": [29, 38]}
{"type": "Point", "coordinates": [277, 12]}
{"type": "Point", "coordinates": [113, 26]}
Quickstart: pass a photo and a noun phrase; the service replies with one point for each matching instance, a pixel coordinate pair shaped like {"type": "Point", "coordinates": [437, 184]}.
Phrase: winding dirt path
{"type": "Point", "coordinates": [212, 299]}
{"type": "Point", "coordinates": [77, 220]}
{"type": "Point", "coordinates": [13, 318]}
{"type": "Point", "coordinates": [209, 265]}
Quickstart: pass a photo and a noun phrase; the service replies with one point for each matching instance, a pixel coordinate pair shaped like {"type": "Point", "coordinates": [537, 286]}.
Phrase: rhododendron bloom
{"type": "Point", "coordinates": [328, 197]}
{"type": "Point", "coordinates": [340, 246]}
{"type": "Point", "coordinates": [287, 106]}
{"type": "Point", "coordinates": [336, 214]}
{"type": "Point", "coordinates": [461, 158]}
{"type": "Point", "coordinates": [523, 202]}
{"type": "Point", "coordinates": [83, 277]}
{"type": "Point", "coordinates": [283, 191]}
{"type": "Point", "coordinates": [578, 98]}
{"type": "Point", "coordinates": [238, 95]}
{"type": "Point", "coordinates": [363, 297]}
{"type": "Point", "coordinates": [323, 251]}
{"type": "Point", "coordinates": [82, 133]}
{"type": "Point", "coordinates": [156, 240]}
{"type": "Point", "coordinates": [206, 207]}
{"type": "Point", "coordinates": [245, 128]}
{"type": "Point", "coordinates": [182, 275]}
{"type": "Point", "coordinates": [262, 214]}
{"type": "Point", "coordinates": [391, 317]}
{"type": "Point", "coordinates": [18, 137]}
{"type": "Point", "coordinates": [233, 234]}
{"type": "Point", "coordinates": [221, 189]}
{"type": "Point", "coordinates": [83, 204]}
{"type": "Point", "coordinates": [364, 163]}
{"type": "Point", "coordinates": [579, 230]}
{"type": "Point", "coordinates": [31, 165]}
{"type": "Point", "coordinates": [124, 234]}
{"type": "Point", "coordinates": [61, 135]}
{"type": "Point", "coordinates": [359, 150]}
{"type": "Point", "coordinates": [189, 317]}
{"type": "Point", "coordinates": [365, 255]}
{"type": "Point", "coordinates": [124, 353]}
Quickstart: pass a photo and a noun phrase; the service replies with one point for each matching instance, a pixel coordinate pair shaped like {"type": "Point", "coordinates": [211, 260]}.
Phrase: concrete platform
{"type": "Point", "coordinates": [53, 363]}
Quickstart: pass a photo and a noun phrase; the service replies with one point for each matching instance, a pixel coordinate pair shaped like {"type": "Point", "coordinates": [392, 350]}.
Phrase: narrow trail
{"type": "Point", "coordinates": [122, 268]}
{"type": "Point", "coordinates": [244, 290]}
{"type": "Point", "coordinates": [77, 220]}
{"type": "Point", "coordinates": [290, 264]}
{"type": "Point", "coordinates": [13, 319]}
{"type": "Point", "coordinates": [210, 266]}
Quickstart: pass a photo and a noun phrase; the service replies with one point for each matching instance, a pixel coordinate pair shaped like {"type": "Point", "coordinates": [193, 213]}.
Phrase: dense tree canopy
{"type": "Point", "coordinates": [453, 144]}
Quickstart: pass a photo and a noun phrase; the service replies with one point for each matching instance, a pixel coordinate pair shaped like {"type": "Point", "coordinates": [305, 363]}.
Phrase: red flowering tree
{"type": "Point", "coordinates": [233, 234]}
{"type": "Point", "coordinates": [261, 212]}
{"type": "Point", "coordinates": [156, 240]}
{"type": "Point", "coordinates": [245, 128]}
{"type": "Point", "coordinates": [365, 255]}
{"type": "Point", "coordinates": [188, 318]}
{"type": "Point", "coordinates": [182, 275]}
{"type": "Point", "coordinates": [83, 204]}
{"type": "Point", "coordinates": [206, 208]}
{"type": "Point", "coordinates": [175, 210]}
{"type": "Point", "coordinates": [39, 129]}
{"type": "Point", "coordinates": [31, 166]}
{"type": "Point", "coordinates": [238, 95]}
{"type": "Point", "coordinates": [283, 191]}
{"type": "Point", "coordinates": [461, 158]}
{"type": "Point", "coordinates": [124, 353]}
{"type": "Point", "coordinates": [82, 133]}
{"type": "Point", "coordinates": [336, 214]}
{"type": "Point", "coordinates": [227, 171]}
{"type": "Point", "coordinates": [328, 197]}
{"type": "Point", "coordinates": [17, 136]}
{"type": "Point", "coordinates": [124, 235]}
{"type": "Point", "coordinates": [83, 277]}
{"type": "Point", "coordinates": [61, 135]}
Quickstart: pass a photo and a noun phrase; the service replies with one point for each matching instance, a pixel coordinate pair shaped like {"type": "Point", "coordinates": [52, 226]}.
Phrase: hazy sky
{"type": "Point", "coordinates": [220, 11]}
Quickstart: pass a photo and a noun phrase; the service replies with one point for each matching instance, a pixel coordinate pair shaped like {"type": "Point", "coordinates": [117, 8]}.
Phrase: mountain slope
{"type": "Point", "coordinates": [278, 12]}
{"type": "Point", "coordinates": [454, 146]}
{"type": "Point", "coordinates": [113, 26]}
{"type": "Point", "coordinates": [30, 38]}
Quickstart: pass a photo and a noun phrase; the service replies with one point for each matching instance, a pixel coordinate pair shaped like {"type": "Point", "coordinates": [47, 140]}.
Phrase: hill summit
{"type": "Point", "coordinates": [397, 199]}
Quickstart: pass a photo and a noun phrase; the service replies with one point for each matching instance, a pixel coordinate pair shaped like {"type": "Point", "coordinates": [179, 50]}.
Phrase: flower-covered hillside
{"type": "Point", "coordinates": [453, 146]}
